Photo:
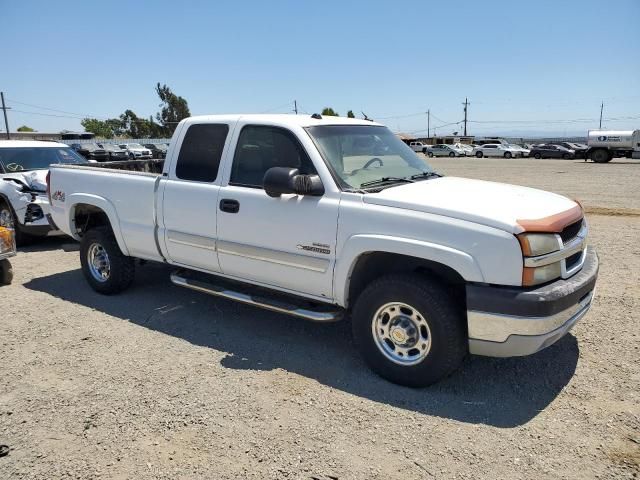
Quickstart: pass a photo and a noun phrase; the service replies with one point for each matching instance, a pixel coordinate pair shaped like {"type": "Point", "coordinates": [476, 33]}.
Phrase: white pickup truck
{"type": "Point", "coordinates": [321, 217]}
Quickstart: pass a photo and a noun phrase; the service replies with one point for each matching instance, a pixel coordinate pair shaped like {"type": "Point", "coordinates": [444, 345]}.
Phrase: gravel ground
{"type": "Point", "coordinates": [162, 382]}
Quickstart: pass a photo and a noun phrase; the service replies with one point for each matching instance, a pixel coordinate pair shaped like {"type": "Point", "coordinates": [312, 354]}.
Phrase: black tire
{"type": "Point", "coordinates": [448, 339]}
{"type": "Point", "coordinates": [507, 155]}
{"type": "Point", "coordinates": [479, 154]}
{"type": "Point", "coordinates": [451, 154]}
{"type": "Point", "coordinates": [430, 154]}
{"type": "Point", "coordinates": [121, 268]}
{"type": "Point", "coordinates": [537, 155]}
{"type": "Point", "coordinates": [6, 272]}
{"type": "Point", "coordinates": [600, 156]}
{"type": "Point", "coordinates": [566, 156]}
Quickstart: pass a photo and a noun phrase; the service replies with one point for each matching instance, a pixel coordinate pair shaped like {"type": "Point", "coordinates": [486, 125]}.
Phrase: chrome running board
{"type": "Point", "coordinates": [260, 298]}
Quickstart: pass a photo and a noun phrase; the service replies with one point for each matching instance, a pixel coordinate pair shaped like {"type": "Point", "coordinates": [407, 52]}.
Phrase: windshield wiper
{"type": "Point", "coordinates": [424, 175]}
{"type": "Point", "coordinates": [382, 180]}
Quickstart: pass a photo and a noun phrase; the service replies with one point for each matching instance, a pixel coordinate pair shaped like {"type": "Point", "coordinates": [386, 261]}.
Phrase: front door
{"type": "Point", "coordinates": [287, 241]}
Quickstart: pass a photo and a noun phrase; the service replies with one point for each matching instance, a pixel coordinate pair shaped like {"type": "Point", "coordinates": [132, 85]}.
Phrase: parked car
{"type": "Point", "coordinates": [419, 147]}
{"type": "Point", "coordinates": [579, 148]}
{"type": "Point", "coordinates": [136, 151]}
{"type": "Point", "coordinates": [464, 146]}
{"type": "Point", "coordinates": [7, 250]}
{"type": "Point", "coordinates": [522, 151]}
{"type": "Point", "coordinates": [428, 267]}
{"type": "Point", "coordinates": [443, 150]}
{"type": "Point", "coordinates": [91, 151]}
{"type": "Point", "coordinates": [158, 150]}
{"type": "Point", "coordinates": [24, 205]}
{"type": "Point", "coordinates": [114, 152]}
{"type": "Point", "coordinates": [547, 150]}
{"type": "Point", "coordinates": [496, 150]}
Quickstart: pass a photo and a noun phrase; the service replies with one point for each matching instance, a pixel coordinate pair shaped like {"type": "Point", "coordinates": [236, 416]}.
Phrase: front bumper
{"type": "Point", "coordinates": [509, 321]}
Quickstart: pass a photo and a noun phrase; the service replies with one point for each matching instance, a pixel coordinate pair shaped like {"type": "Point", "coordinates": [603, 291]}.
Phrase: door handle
{"type": "Point", "coordinates": [230, 206]}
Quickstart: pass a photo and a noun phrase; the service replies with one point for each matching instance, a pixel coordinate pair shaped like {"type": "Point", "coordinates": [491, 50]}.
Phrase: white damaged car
{"type": "Point", "coordinates": [24, 205]}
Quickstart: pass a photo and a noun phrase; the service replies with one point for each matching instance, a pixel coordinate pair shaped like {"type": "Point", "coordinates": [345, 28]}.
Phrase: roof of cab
{"type": "Point", "coordinates": [281, 119]}
{"type": "Point", "coordinates": [30, 144]}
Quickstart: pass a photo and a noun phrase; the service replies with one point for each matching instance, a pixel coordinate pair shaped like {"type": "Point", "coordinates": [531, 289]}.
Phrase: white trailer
{"type": "Point", "coordinates": [607, 144]}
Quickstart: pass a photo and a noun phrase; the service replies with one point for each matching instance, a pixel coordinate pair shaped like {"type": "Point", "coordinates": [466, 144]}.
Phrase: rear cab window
{"type": "Point", "coordinates": [201, 151]}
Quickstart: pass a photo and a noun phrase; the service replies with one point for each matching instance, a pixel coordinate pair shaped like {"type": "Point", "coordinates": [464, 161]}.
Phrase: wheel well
{"type": "Point", "coordinates": [373, 265]}
{"type": "Point", "coordinates": [86, 217]}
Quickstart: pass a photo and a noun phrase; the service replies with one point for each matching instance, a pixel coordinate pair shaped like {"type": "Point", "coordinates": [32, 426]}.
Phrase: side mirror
{"type": "Point", "coordinates": [279, 180]}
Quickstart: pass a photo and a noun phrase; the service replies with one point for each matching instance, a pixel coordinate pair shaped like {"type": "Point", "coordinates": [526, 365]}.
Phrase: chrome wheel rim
{"type": "Point", "coordinates": [401, 333]}
{"type": "Point", "coordinates": [6, 219]}
{"type": "Point", "coordinates": [98, 262]}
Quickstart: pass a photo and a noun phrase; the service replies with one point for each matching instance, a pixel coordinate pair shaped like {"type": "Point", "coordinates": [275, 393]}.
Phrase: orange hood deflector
{"type": "Point", "coordinates": [553, 223]}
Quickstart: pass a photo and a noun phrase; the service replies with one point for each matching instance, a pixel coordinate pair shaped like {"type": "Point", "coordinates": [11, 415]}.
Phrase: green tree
{"type": "Point", "coordinates": [330, 112]}
{"type": "Point", "coordinates": [102, 128]}
{"type": "Point", "coordinates": [136, 127]}
{"type": "Point", "coordinates": [350, 114]}
{"type": "Point", "coordinates": [24, 128]}
{"type": "Point", "coordinates": [173, 109]}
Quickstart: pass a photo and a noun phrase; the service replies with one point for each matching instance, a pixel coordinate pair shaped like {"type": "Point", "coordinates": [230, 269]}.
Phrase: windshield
{"type": "Point", "coordinates": [134, 145]}
{"type": "Point", "coordinates": [361, 153]}
{"type": "Point", "coordinates": [36, 158]}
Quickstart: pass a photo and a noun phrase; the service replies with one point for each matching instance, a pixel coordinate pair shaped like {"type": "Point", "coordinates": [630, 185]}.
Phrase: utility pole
{"type": "Point", "coordinates": [295, 106]}
{"type": "Point", "coordinates": [428, 123]}
{"type": "Point", "coordinates": [466, 104]}
{"type": "Point", "coordinates": [601, 108]}
{"type": "Point", "coordinates": [4, 110]}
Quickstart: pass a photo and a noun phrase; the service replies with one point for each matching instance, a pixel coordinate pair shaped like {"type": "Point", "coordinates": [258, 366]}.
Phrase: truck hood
{"type": "Point", "coordinates": [34, 179]}
{"type": "Point", "coordinates": [498, 205]}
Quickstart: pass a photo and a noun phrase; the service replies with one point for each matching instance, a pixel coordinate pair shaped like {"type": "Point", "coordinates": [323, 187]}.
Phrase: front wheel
{"type": "Point", "coordinates": [537, 156]}
{"type": "Point", "coordinates": [478, 154]}
{"type": "Point", "coordinates": [430, 154]}
{"type": "Point", "coordinates": [104, 266]}
{"type": "Point", "coordinates": [9, 220]}
{"type": "Point", "coordinates": [408, 330]}
{"type": "Point", "coordinates": [507, 155]}
{"type": "Point", "coordinates": [451, 154]}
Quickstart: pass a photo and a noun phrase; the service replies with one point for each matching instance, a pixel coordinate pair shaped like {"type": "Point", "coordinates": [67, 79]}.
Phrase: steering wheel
{"type": "Point", "coordinates": [14, 167]}
{"type": "Point", "coordinates": [371, 162]}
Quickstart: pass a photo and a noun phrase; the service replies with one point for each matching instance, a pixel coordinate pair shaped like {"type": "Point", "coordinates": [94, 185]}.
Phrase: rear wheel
{"type": "Point", "coordinates": [601, 156]}
{"type": "Point", "coordinates": [430, 154]}
{"type": "Point", "coordinates": [479, 154]}
{"type": "Point", "coordinates": [408, 330]}
{"type": "Point", "coordinates": [104, 266]}
{"type": "Point", "coordinates": [507, 155]}
{"type": "Point", "coordinates": [537, 155]}
{"type": "Point", "coordinates": [566, 156]}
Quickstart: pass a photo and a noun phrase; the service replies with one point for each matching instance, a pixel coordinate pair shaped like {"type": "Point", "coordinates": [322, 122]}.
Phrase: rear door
{"type": "Point", "coordinates": [190, 196]}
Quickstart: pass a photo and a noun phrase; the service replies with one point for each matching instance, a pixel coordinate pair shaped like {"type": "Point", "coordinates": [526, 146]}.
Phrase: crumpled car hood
{"type": "Point", "coordinates": [34, 179]}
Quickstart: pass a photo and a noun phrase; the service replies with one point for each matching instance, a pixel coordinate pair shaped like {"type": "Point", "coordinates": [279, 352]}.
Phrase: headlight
{"type": "Point", "coordinates": [534, 245]}
{"type": "Point", "coordinates": [536, 275]}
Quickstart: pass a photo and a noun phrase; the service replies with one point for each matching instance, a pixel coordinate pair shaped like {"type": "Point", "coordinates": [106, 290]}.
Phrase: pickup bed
{"type": "Point", "coordinates": [326, 218]}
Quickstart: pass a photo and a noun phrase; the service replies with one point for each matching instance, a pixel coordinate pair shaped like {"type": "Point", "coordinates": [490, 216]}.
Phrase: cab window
{"type": "Point", "coordinates": [261, 148]}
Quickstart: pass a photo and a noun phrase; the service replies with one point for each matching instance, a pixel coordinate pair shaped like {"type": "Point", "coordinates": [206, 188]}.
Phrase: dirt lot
{"type": "Point", "coordinates": [162, 382]}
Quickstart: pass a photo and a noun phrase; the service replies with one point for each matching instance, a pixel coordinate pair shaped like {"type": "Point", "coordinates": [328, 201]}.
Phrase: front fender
{"type": "Point", "coordinates": [357, 245]}
{"type": "Point", "coordinates": [102, 203]}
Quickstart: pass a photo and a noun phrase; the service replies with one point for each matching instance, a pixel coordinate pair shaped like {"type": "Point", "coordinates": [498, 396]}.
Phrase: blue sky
{"type": "Point", "coordinates": [538, 66]}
